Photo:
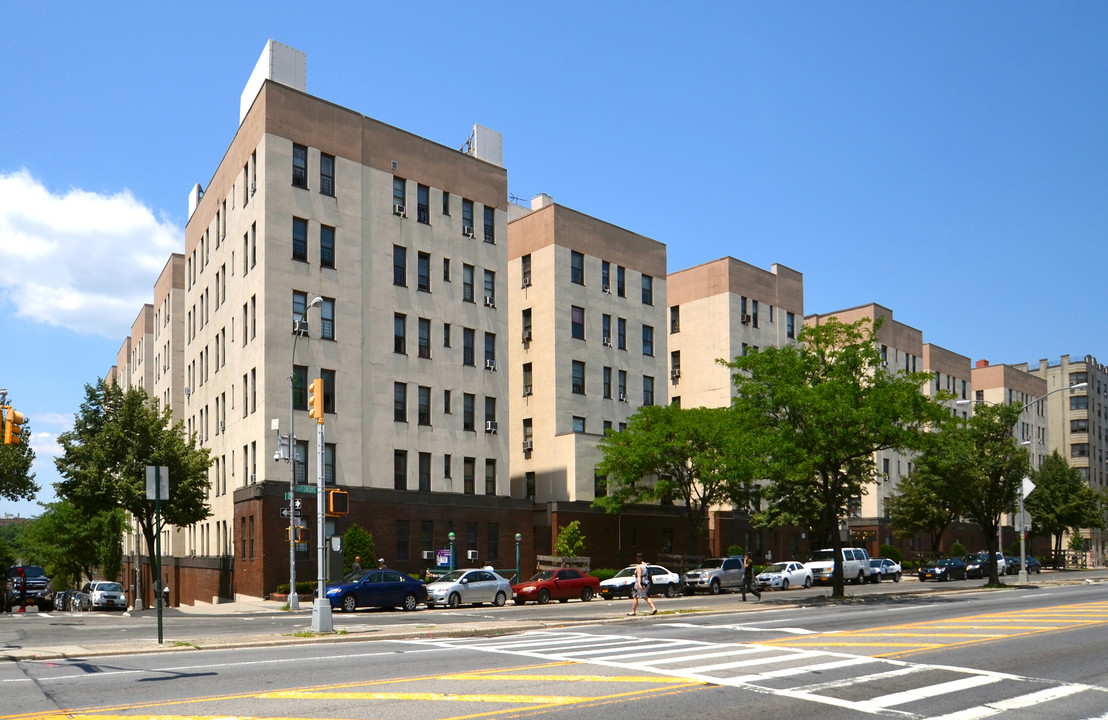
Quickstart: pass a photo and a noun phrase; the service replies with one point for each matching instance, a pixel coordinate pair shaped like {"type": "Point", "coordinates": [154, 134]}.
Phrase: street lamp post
{"type": "Point", "coordinates": [294, 599]}
{"type": "Point", "coordinates": [518, 538]}
{"type": "Point", "coordinates": [1022, 577]}
{"type": "Point", "coordinates": [450, 536]}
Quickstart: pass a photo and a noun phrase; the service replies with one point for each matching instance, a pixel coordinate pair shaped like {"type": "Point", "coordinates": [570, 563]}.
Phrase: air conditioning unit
{"type": "Point", "coordinates": [746, 319]}
{"type": "Point", "coordinates": [490, 365]}
{"type": "Point", "coordinates": [527, 391]}
{"type": "Point", "coordinates": [222, 426]}
{"type": "Point", "coordinates": [526, 336]}
{"type": "Point", "coordinates": [607, 288]}
{"type": "Point", "coordinates": [527, 280]}
{"type": "Point", "coordinates": [253, 187]}
{"type": "Point", "coordinates": [622, 397]}
{"type": "Point", "coordinates": [471, 554]}
{"type": "Point", "coordinates": [253, 479]}
{"type": "Point", "coordinates": [490, 426]}
{"type": "Point", "coordinates": [490, 301]}
{"type": "Point", "coordinates": [467, 231]}
{"type": "Point", "coordinates": [528, 445]}
{"type": "Point", "coordinates": [398, 210]}
{"type": "Point", "coordinates": [300, 327]}
{"type": "Point", "coordinates": [428, 554]}
{"type": "Point", "coordinates": [607, 341]}
{"type": "Point", "coordinates": [490, 238]}
{"type": "Point", "coordinates": [675, 374]}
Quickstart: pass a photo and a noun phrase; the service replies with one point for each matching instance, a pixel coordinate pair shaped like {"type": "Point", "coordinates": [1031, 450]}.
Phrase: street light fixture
{"type": "Point", "coordinates": [294, 599]}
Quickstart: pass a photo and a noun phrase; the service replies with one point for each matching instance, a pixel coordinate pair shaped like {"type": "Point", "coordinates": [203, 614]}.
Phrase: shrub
{"type": "Point", "coordinates": [891, 553]}
{"type": "Point", "coordinates": [570, 542]}
{"type": "Point", "coordinates": [303, 587]}
{"type": "Point", "coordinates": [356, 542]}
{"type": "Point", "coordinates": [958, 550]}
{"type": "Point", "coordinates": [735, 550]}
{"type": "Point", "coordinates": [603, 573]}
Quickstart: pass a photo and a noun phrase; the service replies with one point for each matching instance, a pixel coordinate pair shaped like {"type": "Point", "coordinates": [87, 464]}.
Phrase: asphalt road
{"type": "Point", "coordinates": [1020, 653]}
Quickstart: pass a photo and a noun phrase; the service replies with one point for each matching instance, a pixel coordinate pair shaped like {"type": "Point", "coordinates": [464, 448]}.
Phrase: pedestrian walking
{"type": "Point", "coordinates": [749, 584]}
{"type": "Point", "coordinates": [380, 563]}
{"type": "Point", "coordinates": [357, 566]}
{"type": "Point", "coordinates": [641, 591]}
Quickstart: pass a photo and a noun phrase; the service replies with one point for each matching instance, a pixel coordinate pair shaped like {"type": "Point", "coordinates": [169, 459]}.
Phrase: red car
{"type": "Point", "coordinates": [560, 585]}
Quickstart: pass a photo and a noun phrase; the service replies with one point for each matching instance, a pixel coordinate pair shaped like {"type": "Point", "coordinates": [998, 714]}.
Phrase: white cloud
{"type": "Point", "coordinates": [45, 446]}
{"type": "Point", "coordinates": [80, 260]}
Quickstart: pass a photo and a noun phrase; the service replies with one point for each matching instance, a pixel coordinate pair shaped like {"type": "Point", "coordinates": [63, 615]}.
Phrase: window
{"type": "Point", "coordinates": [527, 325]}
{"type": "Point", "coordinates": [426, 535]}
{"type": "Point", "coordinates": [577, 377]}
{"type": "Point", "coordinates": [447, 466]}
{"type": "Point", "coordinates": [647, 290]}
{"type": "Point", "coordinates": [606, 328]}
{"type": "Point", "coordinates": [621, 288]}
{"type": "Point", "coordinates": [675, 364]}
{"type": "Point", "coordinates": [1078, 377]}
{"type": "Point", "coordinates": [577, 322]}
{"type": "Point", "coordinates": [446, 405]}
{"type": "Point", "coordinates": [490, 478]}
{"type": "Point", "coordinates": [578, 424]}
{"type": "Point", "coordinates": [253, 244]}
{"type": "Point", "coordinates": [647, 340]}
{"type": "Point", "coordinates": [299, 387]}
{"type": "Point", "coordinates": [647, 390]}
{"type": "Point", "coordinates": [1079, 402]}
{"type": "Point", "coordinates": [327, 174]}
{"type": "Point", "coordinates": [490, 287]}
{"type": "Point", "coordinates": [424, 413]}
{"type": "Point", "coordinates": [1079, 426]}
{"type": "Point", "coordinates": [399, 195]}
{"type": "Point", "coordinates": [425, 472]}
{"type": "Point", "coordinates": [402, 540]}
{"type": "Point", "coordinates": [490, 410]}
{"type": "Point", "coordinates": [467, 346]}
{"type": "Point", "coordinates": [399, 266]}
{"type": "Point", "coordinates": [299, 239]}
{"type": "Point", "coordinates": [301, 462]}
{"type": "Point", "coordinates": [400, 469]}
{"type": "Point", "coordinates": [530, 485]}
{"type": "Point", "coordinates": [468, 422]}
{"type": "Point", "coordinates": [423, 272]}
{"type": "Point", "coordinates": [675, 319]}
{"type": "Point", "coordinates": [493, 552]}
{"type": "Point", "coordinates": [621, 384]}
{"type": "Point", "coordinates": [754, 314]}
{"type": "Point", "coordinates": [490, 349]}
{"type": "Point", "coordinates": [328, 377]}
{"type": "Point", "coordinates": [445, 203]}
{"type": "Point", "coordinates": [423, 202]}
{"type": "Point", "coordinates": [576, 268]}
{"type": "Point", "coordinates": [400, 402]}
{"type": "Point", "coordinates": [446, 335]}
{"type": "Point", "coordinates": [299, 305]}
{"type": "Point", "coordinates": [467, 217]}
{"type": "Point", "coordinates": [607, 383]}
{"type": "Point", "coordinates": [525, 269]}
{"type": "Point", "coordinates": [621, 334]}
{"type": "Point", "coordinates": [300, 166]}
{"type": "Point", "coordinates": [1079, 450]}
{"type": "Point", "coordinates": [490, 236]}
{"type": "Point", "coordinates": [327, 319]}
{"type": "Point", "coordinates": [400, 332]}
{"type": "Point", "coordinates": [605, 276]}
{"type": "Point", "coordinates": [329, 463]}
{"type": "Point", "coordinates": [469, 469]}
{"type": "Point", "coordinates": [326, 246]}
{"type": "Point", "coordinates": [467, 283]}
{"type": "Point", "coordinates": [528, 383]}
{"type": "Point", "coordinates": [790, 325]}
{"type": "Point", "coordinates": [446, 269]}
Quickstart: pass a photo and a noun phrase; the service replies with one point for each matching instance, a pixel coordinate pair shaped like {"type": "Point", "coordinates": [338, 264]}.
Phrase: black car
{"type": "Point", "coordinates": [946, 569]}
{"type": "Point", "coordinates": [977, 565]}
{"type": "Point", "coordinates": [39, 590]}
{"type": "Point", "coordinates": [1033, 564]}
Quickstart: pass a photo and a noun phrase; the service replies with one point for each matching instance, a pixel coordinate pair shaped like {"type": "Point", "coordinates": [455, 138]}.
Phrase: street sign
{"type": "Point", "coordinates": [162, 491]}
{"type": "Point", "coordinates": [302, 489]}
{"type": "Point", "coordinates": [1028, 486]}
{"type": "Point", "coordinates": [285, 511]}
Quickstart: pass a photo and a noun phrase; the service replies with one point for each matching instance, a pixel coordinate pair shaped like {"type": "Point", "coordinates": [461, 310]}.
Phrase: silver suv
{"type": "Point", "coordinates": [715, 575]}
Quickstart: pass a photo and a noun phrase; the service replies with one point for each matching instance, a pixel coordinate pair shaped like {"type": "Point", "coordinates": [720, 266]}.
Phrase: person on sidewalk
{"type": "Point", "coordinates": [750, 585]}
{"type": "Point", "coordinates": [641, 591]}
{"type": "Point", "coordinates": [357, 566]}
{"type": "Point", "coordinates": [380, 563]}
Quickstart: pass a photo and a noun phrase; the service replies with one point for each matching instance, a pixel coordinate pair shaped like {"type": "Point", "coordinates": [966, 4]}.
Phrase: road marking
{"type": "Point", "coordinates": [425, 697]}
{"type": "Point", "coordinates": [930, 691]}
{"type": "Point", "coordinates": [1016, 703]}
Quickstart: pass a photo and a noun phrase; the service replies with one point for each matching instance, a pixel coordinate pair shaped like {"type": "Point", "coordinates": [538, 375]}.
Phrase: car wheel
{"type": "Point", "coordinates": [586, 594]}
{"type": "Point", "coordinates": [896, 578]}
{"type": "Point", "coordinates": [861, 576]}
{"type": "Point", "coordinates": [544, 596]}
{"type": "Point", "coordinates": [713, 587]}
{"type": "Point", "coordinates": [785, 584]}
{"type": "Point", "coordinates": [410, 602]}
{"type": "Point", "coordinates": [349, 603]}
{"type": "Point", "coordinates": [1038, 571]}
{"type": "Point", "coordinates": [807, 582]}
{"type": "Point", "coordinates": [455, 600]}
{"type": "Point", "coordinates": [671, 591]}
{"type": "Point", "coordinates": [500, 599]}
{"type": "Point", "coordinates": [563, 600]}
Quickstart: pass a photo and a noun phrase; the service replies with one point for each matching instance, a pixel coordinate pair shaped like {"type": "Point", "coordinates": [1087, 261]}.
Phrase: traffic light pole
{"type": "Point", "coordinates": [321, 608]}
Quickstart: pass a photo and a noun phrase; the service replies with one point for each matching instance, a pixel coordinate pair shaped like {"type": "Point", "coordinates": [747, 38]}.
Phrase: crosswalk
{"type": "Point", "coordinates": [863, 684]}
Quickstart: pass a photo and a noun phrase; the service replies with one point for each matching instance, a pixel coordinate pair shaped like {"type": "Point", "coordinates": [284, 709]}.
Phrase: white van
{"type": "Point", "coordinates": [855, 561]}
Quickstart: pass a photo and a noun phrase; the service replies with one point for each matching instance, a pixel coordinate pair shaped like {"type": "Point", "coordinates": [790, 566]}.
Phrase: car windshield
{"type": "Point", "coordinates": [542, 575]}
{"type": "Point", "coordinates": [33, 571]}
{"type": "Point", "coordinates": [109, 587]}
{"type": "Point", "coordinates": [354, 576]}
{"type": "Point", "coordinates": [626, 572]}
{"type": "Point", "coordinates": [948, 562]}
{"type": "Point", "coordinates": [875, 562]}
{"type": "Point", "coordinates": [452, 576]}
{"type": "Point", "coordinates": [710, 564]}
{"type": "Point", "coordinates": [777, 567]}
{"type": "Point", "coordinates": [821, 555]}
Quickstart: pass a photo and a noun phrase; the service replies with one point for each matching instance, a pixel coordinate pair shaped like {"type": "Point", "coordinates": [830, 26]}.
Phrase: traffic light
{"type": "Point", "coordinates": [315, 400]}
{"type": "Point", "coordinates": [13, 426]}
{"type": "Point", "coordinates": [301, 534]}
{"type": "Point", "coordinates": [338, 503]}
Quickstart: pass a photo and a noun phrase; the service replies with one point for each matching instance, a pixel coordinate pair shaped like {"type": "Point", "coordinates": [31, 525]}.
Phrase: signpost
{"type": "Point", "coordinates": [1025, 490]}
{"type": "Point", "coordinates": [157, 486]}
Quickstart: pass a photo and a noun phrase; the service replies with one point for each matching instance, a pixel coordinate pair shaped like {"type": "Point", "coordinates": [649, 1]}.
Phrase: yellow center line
{"type": "Point", "coordinates": [658, 679]}
{"type": "Point", "coordinates": [425, 697]}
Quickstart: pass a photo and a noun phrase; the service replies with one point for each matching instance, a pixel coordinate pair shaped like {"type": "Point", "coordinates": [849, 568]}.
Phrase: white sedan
{"type": "Point", "coordinates": [783, 575]}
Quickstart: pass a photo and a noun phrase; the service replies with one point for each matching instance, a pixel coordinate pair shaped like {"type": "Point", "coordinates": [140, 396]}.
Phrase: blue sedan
{"type": "Point", "coordinates": [376, 588]}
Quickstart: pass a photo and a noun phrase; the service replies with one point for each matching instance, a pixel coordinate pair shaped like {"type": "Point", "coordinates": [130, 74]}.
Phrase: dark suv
{"type": "Point", "coordinates": [39, 591]}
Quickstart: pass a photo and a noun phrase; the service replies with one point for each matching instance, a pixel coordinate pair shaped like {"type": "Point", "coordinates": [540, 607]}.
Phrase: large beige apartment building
{"type": "Point", "coordinates": [587, 343]}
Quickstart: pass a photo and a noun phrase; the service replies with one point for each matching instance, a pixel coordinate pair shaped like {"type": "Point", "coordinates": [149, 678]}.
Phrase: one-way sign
{"type": "Point", "coordinates": [285, 512]}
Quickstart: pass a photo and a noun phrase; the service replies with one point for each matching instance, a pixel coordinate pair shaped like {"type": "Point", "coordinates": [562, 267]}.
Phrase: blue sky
{"type": "Point", "coordinates": [946, 160]}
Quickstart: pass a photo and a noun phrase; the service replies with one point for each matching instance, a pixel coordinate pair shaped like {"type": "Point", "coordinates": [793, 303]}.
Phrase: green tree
{"type": "Point", "coordinates": [71, 545]}
{"type": "Point", "coordinates": [570, 542]}
{"type": "Point", "coordinates": [17, 482]}
{"type": "Point", "coordinates": [674, 454]}
{"type": "Point", "coordinates": [815, 413]}
{"type": "Point", "coordinates": [992, 479]}
{"type": "Point", "coordinates": [1062, 500]}
{"type": "Point", "coordinates": [115, 435]}
{"type": "Point", "coordinates": [357, 542]}
{"type": "Point", "coordinates": [931, 498]}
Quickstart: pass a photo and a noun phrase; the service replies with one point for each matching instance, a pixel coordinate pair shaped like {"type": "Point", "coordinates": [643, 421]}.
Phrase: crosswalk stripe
{"type": "Point", "coordinates": [1016, 703]}
{"type": "Point", "coordinates": [928, 691]}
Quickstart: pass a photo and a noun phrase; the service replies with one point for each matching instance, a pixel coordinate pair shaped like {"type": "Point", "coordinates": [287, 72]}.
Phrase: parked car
{"type": "Point", "coordinates": [102, 595]}
{"type": "Point", "coordinates": [662, 581]}
{"type": "Point", "coordinates": [1033, 564]}
{"type": "Point", "coordinates": [855, 565]}
{"type": "Point", "coordinates": [39, 588]}
{"type": "Point", "coordinates": [561, 585]}
{"type": "Point", "coordinates": [469, 587]}
{"type": "Point", "coordinates": [715, 575]}
{"type": "Point", "coordinates": [783, 575]}
{"type": "Point", "coordinates": [942, 570]}
{"type": "Point", "coordinates": [376, 588]}
{"type": "Point", "coordinates": [977, 565]}
{"type": "Point", "coordinates": [884, 569]}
